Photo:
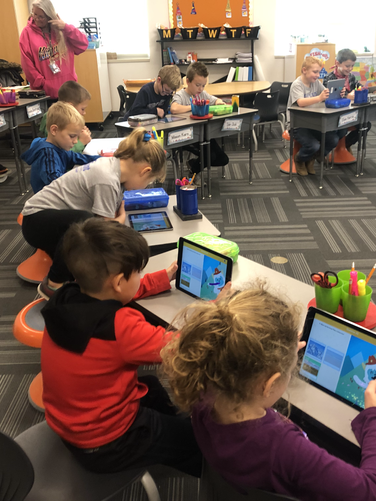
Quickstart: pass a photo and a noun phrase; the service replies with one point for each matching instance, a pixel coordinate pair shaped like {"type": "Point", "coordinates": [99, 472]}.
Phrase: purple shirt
{"type": "Point", "coordinates": [274, 454]}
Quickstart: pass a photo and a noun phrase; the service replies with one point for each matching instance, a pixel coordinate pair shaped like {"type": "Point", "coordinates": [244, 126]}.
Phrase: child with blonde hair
{"type": "Point", "coordinates": [228, 364]}
{"type": "Point", "coordinates": [94, 189]}
{"type": "Point", "coordinates": [52, 157]}
{"type": "Point", "coordinates": [305, 91]}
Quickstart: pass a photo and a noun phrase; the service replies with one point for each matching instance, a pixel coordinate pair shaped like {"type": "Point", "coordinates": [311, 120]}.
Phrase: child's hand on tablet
{"type": "Point", "coordinates": [301, 344]}
{"type": "Point", "coordinates": [226, 291]}
{"type": "Point", "coordinates": [370, 395]}
{"type": "Point", "coordinates": [171, 270]}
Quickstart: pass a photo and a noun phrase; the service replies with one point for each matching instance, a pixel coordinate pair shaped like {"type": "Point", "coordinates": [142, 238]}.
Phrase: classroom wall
{"type": "Point", "coordinates": [273, 68]}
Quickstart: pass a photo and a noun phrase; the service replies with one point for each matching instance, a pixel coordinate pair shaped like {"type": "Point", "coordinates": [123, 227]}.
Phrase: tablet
{"type": "Point", "coordinates": [335, 87]}
{"type": "Point", "coordinates": [202, 272]}
{"type": "Point", "coordinates": [340, 356]}
{"type": "Point", "coordinates": [169, 119]}
{"type": "Point", "coordinates": [150, 221]}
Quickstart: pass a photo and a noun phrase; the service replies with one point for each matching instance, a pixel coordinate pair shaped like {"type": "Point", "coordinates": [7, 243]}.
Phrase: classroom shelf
{"type": "Point", "coordinates": [166, 43]}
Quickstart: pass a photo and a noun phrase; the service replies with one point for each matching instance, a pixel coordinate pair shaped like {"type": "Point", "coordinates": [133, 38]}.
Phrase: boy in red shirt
{"type": "Point", "coordinates": [110, 419]}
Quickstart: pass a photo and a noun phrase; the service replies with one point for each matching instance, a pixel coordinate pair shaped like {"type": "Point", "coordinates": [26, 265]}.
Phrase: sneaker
{"type": "Point", "coordinates": [3, 170]}
{"type": "Point", "coordinates": [45, 290]}
{"type": "Point", "coordinates": [310, 167]}
{"type": "Point", "coordinates": [300, 167]}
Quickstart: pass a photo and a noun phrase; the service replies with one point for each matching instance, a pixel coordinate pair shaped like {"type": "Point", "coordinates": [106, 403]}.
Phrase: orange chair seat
{"type": "Point", "coordinates": [35, 393]}
{"type": "Point", "coordinates": [285, 166]}
{"type": "Point", "coordinates": [341, 154]}
{"type": "Point", "coordinates": [35, 268]}
{"type": "Point", "coordinates": [20, 219]}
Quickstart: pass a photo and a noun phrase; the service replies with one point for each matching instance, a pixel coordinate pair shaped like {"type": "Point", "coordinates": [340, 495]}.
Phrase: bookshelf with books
{"type": "Point", "coordinates": [170, 51]}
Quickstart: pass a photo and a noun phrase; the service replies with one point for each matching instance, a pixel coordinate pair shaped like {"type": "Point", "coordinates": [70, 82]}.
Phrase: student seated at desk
{"type": "Point", "coordinates": [52, 157]}
{"type": "Point", "coordinates": [108, 417]}
{"type": "Point", "coordinates": [94, 189]}
{"type": "Point", "coordinates": [344, 65]}
{"type": "Point", "coordinates": [73, 93]}
{"type": "Point", "coordinates": [305, 91]}
{"type": "Point", "coordinates": [197, 77]}
{"type": "Point", "coordinates": [229, 364]}
{"type": "Point", "coordinates": [154, 97]}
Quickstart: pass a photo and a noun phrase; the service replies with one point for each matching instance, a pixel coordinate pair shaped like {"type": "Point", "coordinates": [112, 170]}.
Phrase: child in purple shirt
{"type": "Point", "coordinates": [229, 364]}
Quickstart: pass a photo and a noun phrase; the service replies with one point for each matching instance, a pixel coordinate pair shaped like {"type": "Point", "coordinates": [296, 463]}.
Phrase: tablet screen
{"type": "Point", "coordinates": [340, 358]}
{"type": "Point", "coordinates": [169, 119]}
{"type": "Point", "coordinates": [202, 273]}
{"type": "Point", "coordinates": [152, 221]}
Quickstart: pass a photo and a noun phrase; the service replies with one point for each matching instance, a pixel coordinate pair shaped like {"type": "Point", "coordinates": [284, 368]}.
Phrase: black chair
{"type": "Point", "coordinates": [267, 104]}
{"type": "Point", "coordinates": [126, 98]}
{"type": "Point", "coordinates": [284, 92]}
{"type": "Point", "coordinates": [16, 471]}
{"type": "Point", "coordinates": [59, 477]}
{"type": "Point", "coordinates": [213, 487]}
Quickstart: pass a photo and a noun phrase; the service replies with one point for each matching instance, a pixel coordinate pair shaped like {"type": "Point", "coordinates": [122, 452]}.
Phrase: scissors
{"type": "Point", "coordinates": [322, 279]}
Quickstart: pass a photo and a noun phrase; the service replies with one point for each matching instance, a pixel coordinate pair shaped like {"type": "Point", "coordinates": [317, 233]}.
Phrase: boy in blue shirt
{"type": "Point", "coordinates": [154, 97]}
{"type": "Point", "coordinates": [51, 158]}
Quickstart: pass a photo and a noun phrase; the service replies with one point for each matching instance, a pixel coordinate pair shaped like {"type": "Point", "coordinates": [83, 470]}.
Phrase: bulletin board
{"type": "Point", "coordinates": [211, 14]}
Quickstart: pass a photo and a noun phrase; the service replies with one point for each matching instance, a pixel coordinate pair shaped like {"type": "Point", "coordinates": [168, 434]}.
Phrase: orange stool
{"type": "Point", "coordinates": [285, 167]}
{"type": "Point", "coordinates": [28, 329]}
{"type": "Point", "coordinates": [36, 267]}
{"type": "Point", "coordinates": [341, 154]}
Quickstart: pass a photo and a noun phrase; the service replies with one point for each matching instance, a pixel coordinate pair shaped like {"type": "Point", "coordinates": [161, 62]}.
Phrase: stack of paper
{"type": "Point", "coordinates": [243, 57]}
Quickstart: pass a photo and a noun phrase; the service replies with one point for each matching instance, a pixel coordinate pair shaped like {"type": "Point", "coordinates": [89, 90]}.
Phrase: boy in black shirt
{"type": "Point", "coordinates": [154, 97]}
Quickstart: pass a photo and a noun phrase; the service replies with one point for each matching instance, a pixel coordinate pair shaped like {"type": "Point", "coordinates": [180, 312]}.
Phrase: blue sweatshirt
{"type": "Point", "coordinates": [147, 101]}
{"type": "Point", "coordinates": [48, 162]}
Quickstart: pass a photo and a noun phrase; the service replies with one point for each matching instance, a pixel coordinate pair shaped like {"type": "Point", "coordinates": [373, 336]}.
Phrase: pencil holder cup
{"type": "Point", "coordinates": [3, 98]}
{"type": "Point", "coordinates": [344, 275]}
{"type": "Point", "coordinates": [361, 96]}
{"type": "Point", "coordinates": [178, 197]}
{"type": "Point", "coordinates": [355, 307]}
{"type": "Point", "coordinates": [328, 299]}
{"type": "Point", "coordinates": [200, 111]}
{"type": "Point", "coordinates": [188, 199]}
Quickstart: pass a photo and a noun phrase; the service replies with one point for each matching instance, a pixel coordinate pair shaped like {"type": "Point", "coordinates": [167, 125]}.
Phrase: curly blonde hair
{"type": "Point", "coordinates": [225, 348]}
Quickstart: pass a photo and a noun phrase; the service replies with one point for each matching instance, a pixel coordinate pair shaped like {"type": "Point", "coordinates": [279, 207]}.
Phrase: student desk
{"type": "Point", "coordinates": [162, 241]}
{"type": "Point", "coordinates": [214, 129]}
{"type": "Point", "coordinates": [27, 111]}
{"type": "Point", "coordinates": [237, 88]}
{"type": "Point", "coordinates": [176, 135]}
{"type": "Point", "coordinates": [312, 402]}
{"type": "Point", "coordinates": [322, 119]}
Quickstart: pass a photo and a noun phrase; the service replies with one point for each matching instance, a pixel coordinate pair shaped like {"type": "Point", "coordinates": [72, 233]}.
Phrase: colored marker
{"type": "Point", "coordinates": [362, 287]}
{"type": "Point", "coordinates": [354, 283]}
{"type": "Point", "coordinates": [154, 133]}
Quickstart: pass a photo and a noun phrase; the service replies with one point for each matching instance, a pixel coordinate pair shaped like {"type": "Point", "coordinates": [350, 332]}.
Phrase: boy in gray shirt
{"type": "Point", "coordinates": [305, 91]}
{"type": "Point", "coordinates": [197, 77]}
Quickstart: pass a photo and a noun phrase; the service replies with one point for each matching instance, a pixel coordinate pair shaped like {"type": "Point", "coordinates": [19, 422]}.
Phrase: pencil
{"type": "Point", "coordinates": [370, 274]}
{"type": "Point", "coordinates": [191, 181]}
{"type": "Point", "coordinates": [353, 267]}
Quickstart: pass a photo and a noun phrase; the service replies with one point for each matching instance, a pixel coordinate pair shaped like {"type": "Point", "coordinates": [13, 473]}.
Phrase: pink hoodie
{"type": "Point", "coordinates": [35, 57]}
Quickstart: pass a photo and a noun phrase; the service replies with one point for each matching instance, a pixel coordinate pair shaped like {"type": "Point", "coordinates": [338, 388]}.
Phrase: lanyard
{"type": "Point", "coordinates": [49, 43]}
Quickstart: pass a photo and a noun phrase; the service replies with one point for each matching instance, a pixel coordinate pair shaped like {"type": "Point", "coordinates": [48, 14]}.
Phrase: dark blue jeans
{"type": "Point", "coordinates": [310, 142]}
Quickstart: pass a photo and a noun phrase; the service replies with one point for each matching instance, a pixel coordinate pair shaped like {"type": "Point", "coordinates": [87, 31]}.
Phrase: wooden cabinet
{"type": "Point", "coordinates": [13, 19]}
{"type": "Point", "coordinates": [92, 73]}
{"type": "Point", "coordinates": [305, 48]}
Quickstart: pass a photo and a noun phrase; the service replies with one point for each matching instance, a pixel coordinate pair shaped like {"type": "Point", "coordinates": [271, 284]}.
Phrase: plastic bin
{"type": "Point", "coordinates": [166, 33]}
{"type": "Point", "coordinates": [145, 199]}
{"type": "Point", "coordinates": [234, 32]}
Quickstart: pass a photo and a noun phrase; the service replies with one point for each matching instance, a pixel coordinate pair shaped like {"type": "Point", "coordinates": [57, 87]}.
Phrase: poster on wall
{"type": "Point", "coordinates": [188, 13]}
{"type": "Point", "coordinates": [323, 56]}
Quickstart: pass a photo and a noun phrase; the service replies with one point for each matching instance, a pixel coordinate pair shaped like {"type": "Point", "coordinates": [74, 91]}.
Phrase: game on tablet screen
{"type": "Point", "coordinates": [340, 359]}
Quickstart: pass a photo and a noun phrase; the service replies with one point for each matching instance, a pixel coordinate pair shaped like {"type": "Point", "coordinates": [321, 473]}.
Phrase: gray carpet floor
{"type": "Point", "coordinates": [310, 229]}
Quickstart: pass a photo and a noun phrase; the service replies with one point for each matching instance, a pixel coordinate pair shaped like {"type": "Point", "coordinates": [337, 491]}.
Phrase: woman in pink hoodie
{"type": "Point", "coordinates": [48, 46]}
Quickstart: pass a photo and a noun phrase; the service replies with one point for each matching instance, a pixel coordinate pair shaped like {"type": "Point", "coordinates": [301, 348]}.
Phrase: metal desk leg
{"type": "Point", "coordinates": [17, 152]}
{"type": "Point", "coordinates": [322, 155]}
{"type": "Point", "coordinates": [250, 151]}
{"type": "Point", "coordinates": [291, 152]}
{"type": "Point", "coordinates": [208, 159]}
{"type": "Point", "coordinates": [34, 130]}
{"type": "Point", "coordinates": [223, 167]}
{"type": "Point", "coordinates": [359, 155]}
{"type": "Point", "coordinates": [364, 145]}
{"type": "Point", "coordinates": [174, 154]}
{"type": "Point", "coordinates": [202, 144]}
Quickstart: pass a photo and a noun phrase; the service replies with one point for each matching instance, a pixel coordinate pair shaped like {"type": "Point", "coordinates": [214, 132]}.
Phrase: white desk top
{"type": "Point", "coordinates": [322, 407]}
{"type": "Point", "coordinates": [180, 228]}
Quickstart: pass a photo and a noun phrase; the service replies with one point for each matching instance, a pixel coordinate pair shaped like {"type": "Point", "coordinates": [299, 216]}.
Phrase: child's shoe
{"type": "Point", "coordinates": [45, 290]}
{"type": "Point", "coordinates": [310, 167]}
{"type": "Point", "coordinates": [300, 167]}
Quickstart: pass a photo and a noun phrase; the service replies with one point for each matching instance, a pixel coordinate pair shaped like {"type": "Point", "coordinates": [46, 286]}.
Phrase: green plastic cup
{"type": "Point", "coordinates": [328, 299]}
{"type": "Point", "coordinates": [355, 307]}
{"type": "Point", "coordinates": [344, 275]}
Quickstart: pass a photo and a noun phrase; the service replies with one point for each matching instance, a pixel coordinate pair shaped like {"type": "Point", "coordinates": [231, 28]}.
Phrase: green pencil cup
{"type": "Point", "coordinates": [355, 307]}
{"type": "Point", "coordinates": [328, 299]}
{"type": "Point", "coordinates": [344, 275]}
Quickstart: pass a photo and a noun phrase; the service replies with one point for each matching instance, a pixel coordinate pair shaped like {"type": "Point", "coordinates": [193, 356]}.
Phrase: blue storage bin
{"type": "Point", "coordinates": [342, 102]}
{"type": "Point", "coordinates": [145, 199]}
